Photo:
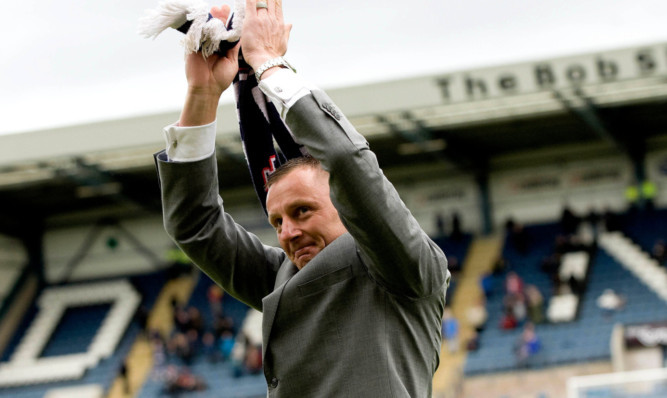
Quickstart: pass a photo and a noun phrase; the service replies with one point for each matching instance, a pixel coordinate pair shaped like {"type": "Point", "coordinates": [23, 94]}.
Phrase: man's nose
{"type": "Point", "coordinates": [289, 230]}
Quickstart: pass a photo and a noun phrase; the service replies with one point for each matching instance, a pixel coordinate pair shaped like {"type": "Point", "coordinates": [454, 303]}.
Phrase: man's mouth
{"type": "Point", "coordinates": [301, 251]}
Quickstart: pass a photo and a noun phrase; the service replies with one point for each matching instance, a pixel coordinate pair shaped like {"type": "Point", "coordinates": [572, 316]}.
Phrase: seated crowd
{"type": "Point", "coordinates": [193, 340]}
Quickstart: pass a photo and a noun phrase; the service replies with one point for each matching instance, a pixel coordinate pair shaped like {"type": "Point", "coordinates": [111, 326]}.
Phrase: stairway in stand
{"type": "Point", "coordinates": [481, 256]}
{"type": "Point", "coordinates": [140, 359]}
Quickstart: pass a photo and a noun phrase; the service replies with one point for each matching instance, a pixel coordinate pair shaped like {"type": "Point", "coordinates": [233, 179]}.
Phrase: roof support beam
{"type": "Point", "coordinates": [475, 163]}
{"type": "Point", "coordinates": [449, 151]}
{"type": "Point", "coordinates": [585, 112]}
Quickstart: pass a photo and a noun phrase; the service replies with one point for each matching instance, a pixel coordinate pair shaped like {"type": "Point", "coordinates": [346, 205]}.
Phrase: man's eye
{"type": "Point", "coordinates": [302, 210]}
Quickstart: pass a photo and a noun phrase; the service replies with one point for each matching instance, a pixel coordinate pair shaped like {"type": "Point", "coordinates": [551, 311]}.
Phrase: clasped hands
{"type": "Point", "coordinates": [264, 36]}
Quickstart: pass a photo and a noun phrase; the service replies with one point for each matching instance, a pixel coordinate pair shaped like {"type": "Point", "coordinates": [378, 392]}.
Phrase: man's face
{"type": "Point", "coordinates": [301, 211]}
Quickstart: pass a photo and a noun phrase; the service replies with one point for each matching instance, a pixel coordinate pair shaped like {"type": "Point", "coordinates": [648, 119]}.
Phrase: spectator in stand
{"type": "Point", "coordinates": [238, 355]}
{"type": "Point", "coordinates": [253, 358]}
{"type": "Point", "coordinates": [223, 324]}
{"type": "Point", "coordinates": [513, 284]}
{"type": "Point", "coordinates": [159, 353]}
{"type": "Point", "coordinates": [194, 341]}
{"type": "Point", "coordinates": [473, 342]}
{"type": "Point", "coordinates": [514, 302]}
{"type": "Point", "coordinates": [440, 225]}
{"type": "Point", "coordinates": [141, 317]}
{"type": "Point", "coordinates": [550, 265]}
{"type": "Point", "coordinates": [450, 330]}
{"type": "Point", "coordinates": [486, 284]}
{"type": "Point", "coordinates": [500, 266]}
{"type": "Point", "coordinates": [246, 356]}
{"type": "Point", "coordinates": [124, 377]}
{"type": "Point", "coordinates": [196, 321]}
{"type": "Point", "coordinates": [508, 321]}
{"type": "Point", "coordinates": [516, 305]}
{"type": "Point", "coordinates": [477, 314]}
{"type": "Point", "coordinates": [569, 222]}
{"type": "Point", "coordinates": [454, 265]}
{"type": "Point", "coordinates": [518, 236]}
{"type": "Point", "coordinates": [563, 244]}
{"type": "Point", "coordinates": [214, 296]}
{"type": "Point", "coordinates": [569, 243]}
{"type": "Point", "coordinates": [181, 380]}
{"type": "Point", "coordinates": [457, 232]}
{"type": "Point", "coordinates": [610, 301]}
{"type": "Point", "coordinates": [659, 252]}
{"type": "Point", "coordinates": [576, 286]}
{"type": "Point", "coordinates": [180, 348]}
{"type": "Point", "coordinates": [210, 349]}
{"type": "Point", "coordinates": [593, 219]}
{"type": "Point", "coordinates": [181, 318]}
{"type": "Point", "coordinates": [528, 345]}
{"type": "Point", "coordinates": [535, 302]}
{"type": "Point", "coordinates": [226, 343]}
{"type": "Point", "coordinates": [612, 221]}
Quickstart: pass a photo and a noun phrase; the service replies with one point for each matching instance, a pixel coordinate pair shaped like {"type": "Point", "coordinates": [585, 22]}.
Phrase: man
{"type": "Point", "coordinates": [353, 301]}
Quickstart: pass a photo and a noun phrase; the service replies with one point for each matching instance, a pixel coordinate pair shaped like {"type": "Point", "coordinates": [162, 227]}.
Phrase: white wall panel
{"type": "Point", "coordinates": [540, 194]}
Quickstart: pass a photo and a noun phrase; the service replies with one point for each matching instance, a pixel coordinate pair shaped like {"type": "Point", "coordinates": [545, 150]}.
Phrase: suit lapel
{"type": "Point", "coordinates": [270, 302]}
{"type": "Point", "coordinates": [326, 261]}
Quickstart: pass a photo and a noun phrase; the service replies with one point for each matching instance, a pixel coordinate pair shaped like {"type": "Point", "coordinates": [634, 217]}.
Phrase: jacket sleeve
{"type": "Point", "coordinates": [195, 219]}
{"type": "Point", "coordinates": [398, 253]}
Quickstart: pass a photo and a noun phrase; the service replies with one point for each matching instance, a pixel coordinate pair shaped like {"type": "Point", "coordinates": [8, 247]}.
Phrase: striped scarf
{"type": "Point", "coordinates": [260, 124]}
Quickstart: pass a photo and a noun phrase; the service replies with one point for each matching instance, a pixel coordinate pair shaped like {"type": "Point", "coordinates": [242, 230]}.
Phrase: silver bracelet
{"type": "Point", "coordinates": [279, 61]}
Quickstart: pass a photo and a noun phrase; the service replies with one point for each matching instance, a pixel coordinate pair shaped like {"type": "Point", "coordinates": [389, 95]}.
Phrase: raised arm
{"type": "Point", "coordinates": [193, 210]}
{"type": "Point", "coordinates": [207, 79]}
{"type": "Point", "coordinates": [398, 252]}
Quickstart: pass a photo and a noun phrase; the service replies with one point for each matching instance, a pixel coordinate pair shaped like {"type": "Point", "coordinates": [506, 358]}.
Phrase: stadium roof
{"type": "Point", "coordinates": [470, 122]}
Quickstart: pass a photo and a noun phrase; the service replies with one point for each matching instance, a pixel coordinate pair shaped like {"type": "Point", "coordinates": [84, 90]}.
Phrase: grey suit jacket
{"type": "Point", "coordinates": [362, 318]}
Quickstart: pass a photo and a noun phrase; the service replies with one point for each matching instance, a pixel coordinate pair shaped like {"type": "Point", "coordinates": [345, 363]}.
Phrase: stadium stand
{"type": "Point", "coordinates": [113, 338]}
{"type": "Point", "coordinates": [587, 337]}
{"type": "Point", "coordinates": [584, 339]}
{"type": "Point", "coordinates": [220, 377]}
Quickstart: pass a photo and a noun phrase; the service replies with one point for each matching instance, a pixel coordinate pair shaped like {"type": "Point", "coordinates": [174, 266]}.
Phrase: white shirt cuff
{"type": "Point", "coordinates": [189, 144]}
{"type": "Point", "coordinates": [285, 88]}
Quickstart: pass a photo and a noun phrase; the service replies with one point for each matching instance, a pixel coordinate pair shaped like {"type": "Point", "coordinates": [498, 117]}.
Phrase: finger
{"type": "Point", "coordinates": [233, 53]}
{"type": "Point", "coordinates": [271, 7]}
{"type": "Point", "coordinates": [250, 7]}
{"type": "Point", "coordinates": [278, 10]}
{"type": "Point", "coordinates": [222, 13]}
